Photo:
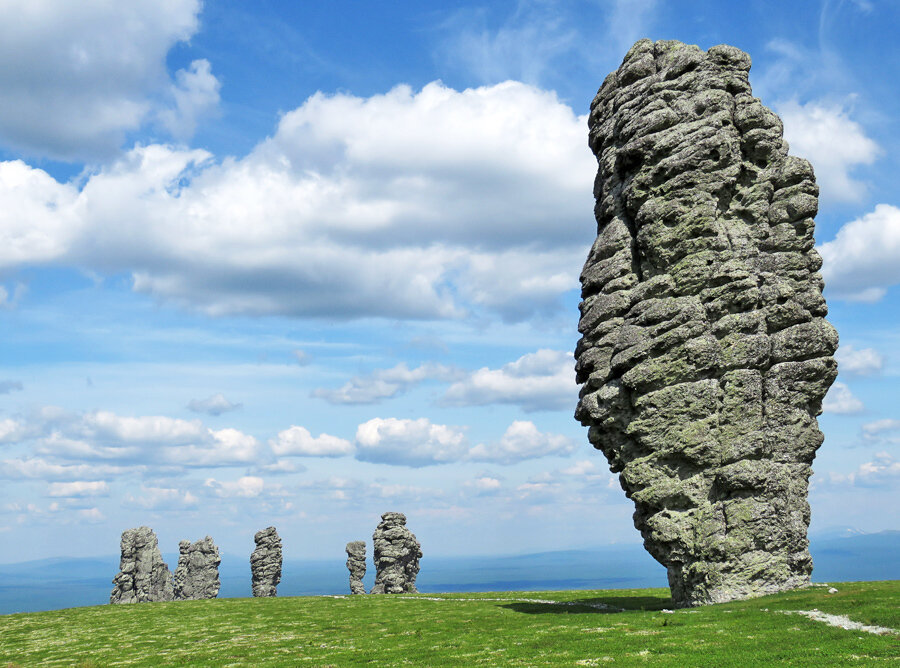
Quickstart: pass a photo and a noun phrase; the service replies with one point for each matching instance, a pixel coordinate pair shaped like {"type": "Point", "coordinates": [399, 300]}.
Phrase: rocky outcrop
{"type": "Point", "coordinates": [143, 575]}
{"type": "Point", "coordinates": [265, 562]}
{"type": "Point", "coordinates": [197, 574]}
{"type": "Point", "coordinates": [705, 355]}
{"type": "Point", "coordinates": [356, 564]}
{"type": "Point", "coordinates": [397, 554]}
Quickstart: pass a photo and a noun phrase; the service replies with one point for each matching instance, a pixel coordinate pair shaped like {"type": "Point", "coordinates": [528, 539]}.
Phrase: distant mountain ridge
{"type": "Point", "coordinates": [48, 584]}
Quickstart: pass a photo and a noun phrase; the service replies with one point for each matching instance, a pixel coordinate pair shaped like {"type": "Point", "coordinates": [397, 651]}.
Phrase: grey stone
{"type": "Point", "coordinates": [705, 355]}
{"type": "Point", "coordinates": [397, 554]}
{"type": "Point", "coordinates": [197, 574]}
{"type": "Point", "coordinates": [143, 575]}
{"type": "Point", "coordinates": [265, 562]}
{"type": "Point", "coordinates": [356, 564]}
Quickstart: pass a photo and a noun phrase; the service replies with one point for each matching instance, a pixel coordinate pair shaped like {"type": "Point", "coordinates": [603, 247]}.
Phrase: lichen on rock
{"type": "Point", "coordinates": [143, 575]}
{"type": "Point", "coordinates": [397, 554]}
{"type": "Point", "coordinates": [705, 355]}
{"type": "Point", "coordinates": [197, 573]}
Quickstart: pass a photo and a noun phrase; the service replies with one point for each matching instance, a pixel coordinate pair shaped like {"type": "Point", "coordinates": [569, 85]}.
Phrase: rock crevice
{"type": "Point", "coordinates": [705, 355]}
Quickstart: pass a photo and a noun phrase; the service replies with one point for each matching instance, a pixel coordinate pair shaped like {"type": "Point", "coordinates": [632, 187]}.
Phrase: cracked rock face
{"type": "Point", "coordinates": [143, 575]}
{"type": "Point", "coordinates": [197, 574]}
{"type": "Point", "coordinates": [265, 562]}
{"type": "Point", "coordinates": [705, 355]}
{"type": "Point", "coordinates": [356, 564]}
{"type": "Point", "coordinates": [397, 554]}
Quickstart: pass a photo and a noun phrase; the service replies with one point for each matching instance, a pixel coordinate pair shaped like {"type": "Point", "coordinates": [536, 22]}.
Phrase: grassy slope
{"type": "Point", "coordinates": [463, 631]}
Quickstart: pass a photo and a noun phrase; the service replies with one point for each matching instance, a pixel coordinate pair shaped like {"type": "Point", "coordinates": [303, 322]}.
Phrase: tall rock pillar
{"type": "Point", "coordinates": [143, 575]}
{"type": "Point", "coordinates": [705, 355]}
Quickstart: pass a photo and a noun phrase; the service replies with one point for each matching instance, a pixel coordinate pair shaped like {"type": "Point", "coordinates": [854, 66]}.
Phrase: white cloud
{"type": "Point", "coordinates": [841, 401]}
{"type": "Point", "coordinates": [485, 485]}
{"type": "Point", "coordinates": [91, 515]}
{"type": "Point", "coordinates": [162, 498]}
{"type": "Point", "coordinates": [860, 263]}
{"type": "Point", "coordinates": [543, 380]}
{"type": "Point", "coordinates": [882, 471]}
{"type": "Point", "coordinates": [834, 144]}
{"type": "Point", "coordinates": [75, 77]}
{"type": "Point", "coordinates": [880, 426]}
{"type": "Point", "coordinates": [195, 94]}
{"type": "Point", "coordinates": [384, 383]}
{"type": "Point", "coordinates": [410, 204]}
{"type": "Point", "coordinates": [79, 488]}
{"type": "Point", "coordinates": [213, 405]}
{"type": "Point", "coordinates": [409, 442]}
{"type": "Point", "coordinates": [37, 468]}
{"type": "Point", "coordinates": [302, 357]}
{"type": "Point", "coordinates": [12, 431]}
{"type": "Point", "coordinates": [863, 362]}
{"type": "Point", "coordinates": [522, 440]}
{"type": "Point", "coordinates": [298, 442]}
{"type": "Point", "coordinates": [107, 427]}
{"type": "Point", "coordinates": [247, 487]}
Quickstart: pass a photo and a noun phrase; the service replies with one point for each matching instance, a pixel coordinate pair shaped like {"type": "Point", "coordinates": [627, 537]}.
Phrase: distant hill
{"type": "Point", "coordinates": [49, 584]}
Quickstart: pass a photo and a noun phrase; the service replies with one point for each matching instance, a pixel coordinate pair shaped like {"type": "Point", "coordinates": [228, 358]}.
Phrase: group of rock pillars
{"type": "Point", "coordinates": [144, 576]}
{"type": "Point", "coordinates": [705, 354]}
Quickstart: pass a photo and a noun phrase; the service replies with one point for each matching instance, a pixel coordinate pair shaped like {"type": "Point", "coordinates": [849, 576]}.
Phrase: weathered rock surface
{"type": "Point", "coordinates": [197, 574]}
{"type": "Point", "coordinates": [143, 575]}
{"type": "Point", "coordinates": [705, 355]}
{"type": "Point", "coordinates": [265, 562]}
{"type": "Point", "coordinates": [397, 554]}
{"type": "Point", "coordinates": [356, 564]}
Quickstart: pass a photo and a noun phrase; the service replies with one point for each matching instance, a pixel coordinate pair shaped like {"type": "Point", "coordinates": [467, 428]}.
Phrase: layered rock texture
{"type": "Point", "coordinates": [143, 575]}
{"type": "Point", "coordinates": [197, 574]}
{"type": "Point", "coordinates": [705, 355]}
{"type": "Point", "coordinates": [356, 564]}
{"type": "Point", "coordinates": [397, 554]}
{"type": "Point", "coordinates": [265, 562]}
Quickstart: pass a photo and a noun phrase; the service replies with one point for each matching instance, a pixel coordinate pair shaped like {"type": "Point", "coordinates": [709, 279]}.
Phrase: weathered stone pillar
{"type": "Point", "coordinates": [356, 564]}
{"type": "Point", "coordinates": [705, 355]}
{"type": "Point", "coordinates": [397, 554]}
{"type": "Point", "coordinates": [197, 574]}
{"type": "Point", "coordinates": [265, 562]}
{"type": "Point", "coordinates": [143, 575]}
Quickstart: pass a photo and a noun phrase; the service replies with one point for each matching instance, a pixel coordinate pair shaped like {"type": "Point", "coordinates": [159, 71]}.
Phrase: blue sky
{"type": "Point", "coordinates": [303, 263]}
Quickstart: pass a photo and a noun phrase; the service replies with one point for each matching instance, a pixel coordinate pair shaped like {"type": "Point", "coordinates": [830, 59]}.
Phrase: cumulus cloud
{"type": "Point", "coordinates": [384, 383]}
{"type": "Point", "coordinates": [75, 77]}
{"type": "Point", "coordinates": [409, 442]}
{"type": "Point", "coordinates": [543, 380]}
{"type": "Point", "coordinates": [215, 404]}
{"type": "Point", "coordinates": [162, 498]}
{"type": "Point", "coordinates": [38, 468]}
{"type": "Point", "coordinates": [106, 436]}
{"type": "Point", "coordinates": [79, 488]}
{"type": "Point", "coordinates": [522, 440]}
{"type": "Point", "coordinates": [195, 94]}
{"type": "Point", "coordinates": [298, 442]}
{"type": "Point", "coordinates": [862, 362]}
{"type": "Point", "coordinates": [882, 471]}
{"type": "Point", "coordinates": [841, 401]}
{"type": "Point", "coordinates": [484, 485]}
{"type": "Point", "coordinates": [7, 386]}
{"type": "Point", "coordinates": [834, 144]}
{"type": "Point", "coordinates": [860, 263]}
{"type": "Point", "coordinates": [409, 204]}
{"type": "Point", "coordinates": [247, 487]}
{"type": "Point", "coordinates": [91, 515]}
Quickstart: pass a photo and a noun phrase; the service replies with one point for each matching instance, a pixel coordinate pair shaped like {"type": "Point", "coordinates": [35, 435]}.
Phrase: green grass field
{"type": "Point", "coordinates": [568, 628]}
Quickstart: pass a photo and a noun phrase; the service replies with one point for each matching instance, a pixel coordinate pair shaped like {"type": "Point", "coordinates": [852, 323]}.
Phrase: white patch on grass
{"type": "Point", "coordinates": [841, 621]}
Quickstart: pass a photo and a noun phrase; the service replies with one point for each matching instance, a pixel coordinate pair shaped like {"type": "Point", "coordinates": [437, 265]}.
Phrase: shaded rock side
{"type": "Point", "coordinates": [265, 562]}
{"type": "Point", "coordinates": [143, 575]}
{"type": "Point", "coordinates": [197, 574]}
{"type": "Point", "coordinates": [397, 554]}
{"type": "Point", "coordinates": [356, 564]}
{"type": "Point", "coordinates": [705, 355]}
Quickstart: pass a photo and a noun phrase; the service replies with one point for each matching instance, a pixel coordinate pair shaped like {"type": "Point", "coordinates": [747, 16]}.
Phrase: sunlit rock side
{"type": "Point", "coordinates": [705, 354]}
{"type": "Point", "coordinates": [397, 554]}
{"type": "Point", "coordinates": [143, 575]}
{"type": "Point", "coordinates": [197, 574]}
{"type": "Point", "coordinates": [265, 562]}
{"type": "Point", "coordinates": [356, 564]}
